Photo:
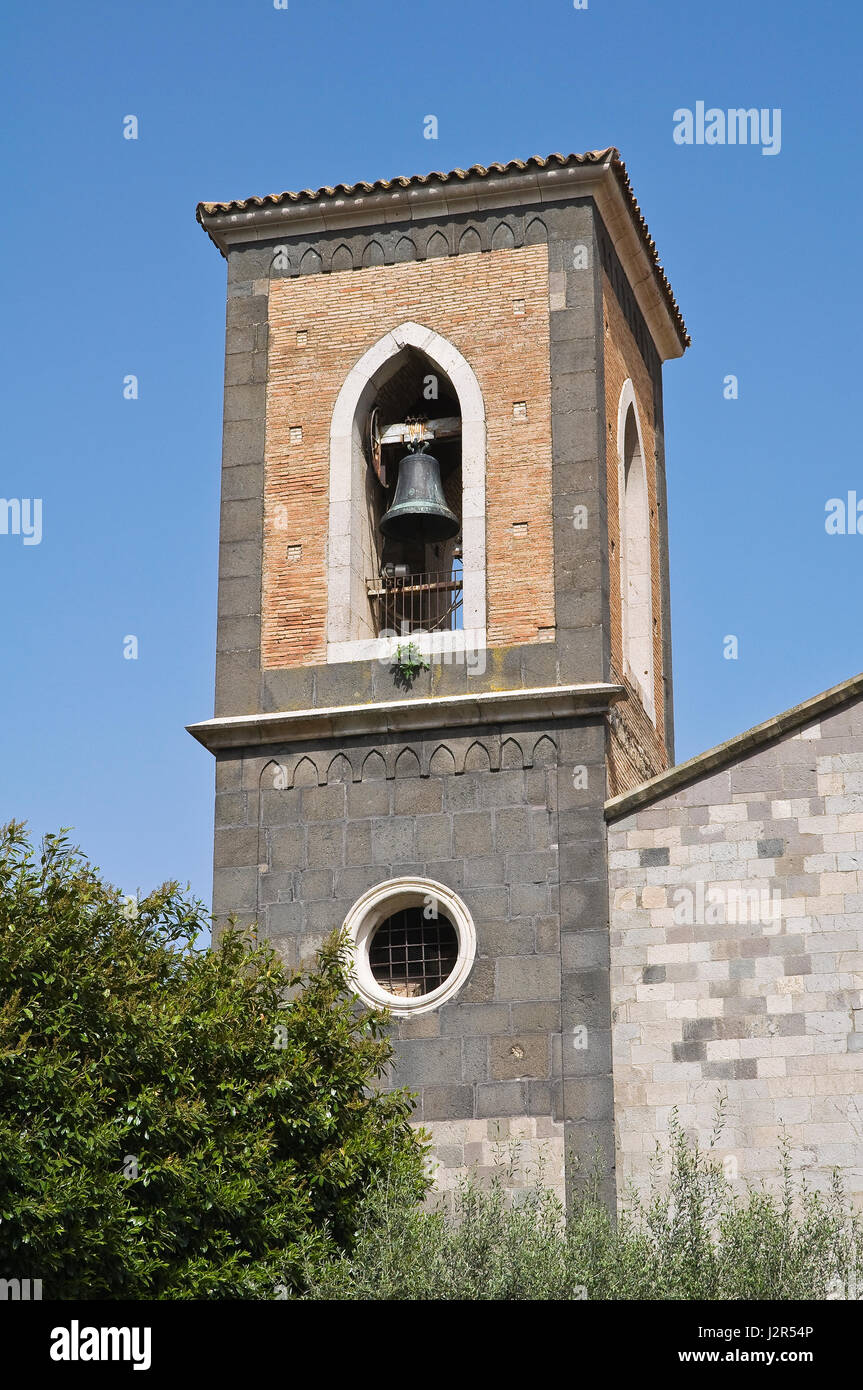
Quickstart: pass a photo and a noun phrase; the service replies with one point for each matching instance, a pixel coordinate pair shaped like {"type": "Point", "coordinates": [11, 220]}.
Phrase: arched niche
{"type": "Point", "coordinates": [636, 589]}
{"type": "Point", "coordinates": [353, 543]}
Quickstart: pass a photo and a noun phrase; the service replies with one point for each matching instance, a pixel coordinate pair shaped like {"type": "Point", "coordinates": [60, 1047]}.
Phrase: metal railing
{"type": "Point", "coordinates": [426, 602]}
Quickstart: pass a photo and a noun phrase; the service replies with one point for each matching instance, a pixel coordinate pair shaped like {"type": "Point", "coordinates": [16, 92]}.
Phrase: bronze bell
{"type": "Point", "coordinates": [419, 511]}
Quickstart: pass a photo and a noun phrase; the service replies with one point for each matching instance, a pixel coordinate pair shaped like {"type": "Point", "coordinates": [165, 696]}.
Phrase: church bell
{"type": "Point", "coordinates": [419, 511]}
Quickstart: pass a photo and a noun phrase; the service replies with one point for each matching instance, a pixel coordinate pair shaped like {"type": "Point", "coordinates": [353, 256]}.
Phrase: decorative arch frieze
{"type": "Point", "coordinates": [437, 245]}
{"type": "Point", "coordinates": [407, 764]}
{"type": "Point", "coordinates": [477, 758]}
{"type": "Point", "coordinates": [405, 250]}
{"type": "Point", "coordinates": [491, 753]}
{"type": "Point", "coordinates": [350, 251]}
{"type": "Point", "coordinates": [511, 754]}
{"type": "Point", "coordinates": [373, 253]}
{"type": "Point", "coordinates": [373, 767]}
{"type": "Point", "coordinates": [469, 242]}
{"type": "Point", "coordinates": [544, 752]}
{"type": "Point", "coordinates": [340, 769]}
{"type": "Point", "coordinates": [306, 773]}
{"type": "Point", "coordinates": [441, 763]}
{"type": "Point", "coordinates": [310, 262]}
{"type": "Point", "coordinates": [342, 258]}
{"type": "Point", "coordinates": [503, 238]}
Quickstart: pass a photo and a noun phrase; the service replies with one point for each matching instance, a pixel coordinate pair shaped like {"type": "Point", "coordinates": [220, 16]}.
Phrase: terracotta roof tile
{"type": "Point", "coordinates": [478, 171]}
{"type": "Point", "coordinates": [309, 195]}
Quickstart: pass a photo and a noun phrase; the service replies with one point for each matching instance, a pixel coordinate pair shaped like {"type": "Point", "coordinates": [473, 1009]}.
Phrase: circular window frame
{"type": "Point", "coordinates": [381, 902]}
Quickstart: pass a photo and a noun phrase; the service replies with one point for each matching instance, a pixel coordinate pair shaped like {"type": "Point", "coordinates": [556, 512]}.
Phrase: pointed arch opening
{"type": "Point", "coordinates": [410, 367]}
{"type": "Point", "coordinates": [636, 599]}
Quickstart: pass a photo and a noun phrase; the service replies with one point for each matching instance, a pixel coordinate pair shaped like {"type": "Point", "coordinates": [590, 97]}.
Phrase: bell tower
{"type": "Point", "coordinates": [443, 623]}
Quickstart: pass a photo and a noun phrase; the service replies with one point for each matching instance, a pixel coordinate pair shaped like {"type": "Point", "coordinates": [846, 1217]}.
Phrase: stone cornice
{"type": "Point", "coordinates": [396, 205]}
{"type": "Point", "coordinates": [734, 749]}
{"type": "Point", "coordinates": [263, 220]}
{"type": "Point", "coordinates": [407, 716]}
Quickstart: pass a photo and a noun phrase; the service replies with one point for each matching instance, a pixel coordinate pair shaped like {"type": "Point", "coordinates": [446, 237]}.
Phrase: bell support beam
{"type": "Point", "coordinates": [447, 428]}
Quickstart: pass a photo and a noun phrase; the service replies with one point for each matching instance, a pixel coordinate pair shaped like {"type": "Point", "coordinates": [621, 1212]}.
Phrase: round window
{"type": "Point", "coordinates": [410, 955]}
{"type": "Point", "coordinates": [414, 944]}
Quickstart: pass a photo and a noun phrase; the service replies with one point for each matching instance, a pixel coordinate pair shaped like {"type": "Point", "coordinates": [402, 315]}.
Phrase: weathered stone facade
{"type": "Point", "coordinates": [642, 937]}
{"type": "Point", "coordinates": [329, 785]}
{"type": "Point", "coordinates": [492, 811]}
{"type": "Point", "coordinates": [737, 948]}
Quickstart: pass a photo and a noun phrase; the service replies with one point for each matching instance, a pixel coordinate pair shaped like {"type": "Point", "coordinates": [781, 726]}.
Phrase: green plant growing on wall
{"type": "Point", "coordinates": [409, 662]}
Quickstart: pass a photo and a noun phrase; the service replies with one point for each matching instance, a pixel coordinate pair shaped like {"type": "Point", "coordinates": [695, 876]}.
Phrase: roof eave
{"type": "Point", "coordinates": [602, 177]}
{"type": "Point", "coordinates": [724, 754]}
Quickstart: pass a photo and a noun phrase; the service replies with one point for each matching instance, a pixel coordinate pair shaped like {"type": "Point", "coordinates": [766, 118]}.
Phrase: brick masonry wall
{"type": "Point", "coordinates": [245, 681]}
{"type": "Point", "coordinates": [469, 300]}
{"type": "Point", "coordinates": [636, 747]}
{"type": "Point", "coordinates": [768, 1011]}
{"type": "Point", "coordinates": [636, 752]}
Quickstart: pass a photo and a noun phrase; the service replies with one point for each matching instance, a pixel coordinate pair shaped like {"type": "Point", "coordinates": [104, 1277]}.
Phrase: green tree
{"type": "Point", "coordinates": [175, 1122]}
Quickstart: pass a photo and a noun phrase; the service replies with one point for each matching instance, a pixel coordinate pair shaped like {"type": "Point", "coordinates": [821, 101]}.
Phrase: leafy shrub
{"type": "Point", "coordinates": [689, 1237]}
{"type": "Point", "coordinates": [176, 1123]}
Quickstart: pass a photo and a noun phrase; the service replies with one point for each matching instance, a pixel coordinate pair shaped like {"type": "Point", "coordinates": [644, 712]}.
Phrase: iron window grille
{"type": "Point", "coordinates": [411, 955]}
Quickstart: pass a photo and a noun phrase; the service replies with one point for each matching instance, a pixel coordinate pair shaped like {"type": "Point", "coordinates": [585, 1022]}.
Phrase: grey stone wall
{"type": "Point", "coordinates": [498, 815]}
{"type": "Point", "coordinates": [718, 989]}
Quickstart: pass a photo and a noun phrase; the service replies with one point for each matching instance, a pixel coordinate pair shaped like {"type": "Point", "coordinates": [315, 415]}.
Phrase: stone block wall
{"type": "Point", "coordinates": [737, 957]}
{"type": "Point", "coordinates": [496, 814]}
{"type": "Point", "coordinates": [477, 813]}
{"type": "Point", "coordinates": [518, 1151]}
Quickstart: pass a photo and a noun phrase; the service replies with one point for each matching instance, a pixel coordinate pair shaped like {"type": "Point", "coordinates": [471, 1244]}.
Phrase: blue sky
{"type": "Point", "coordinates": [105, 273]}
